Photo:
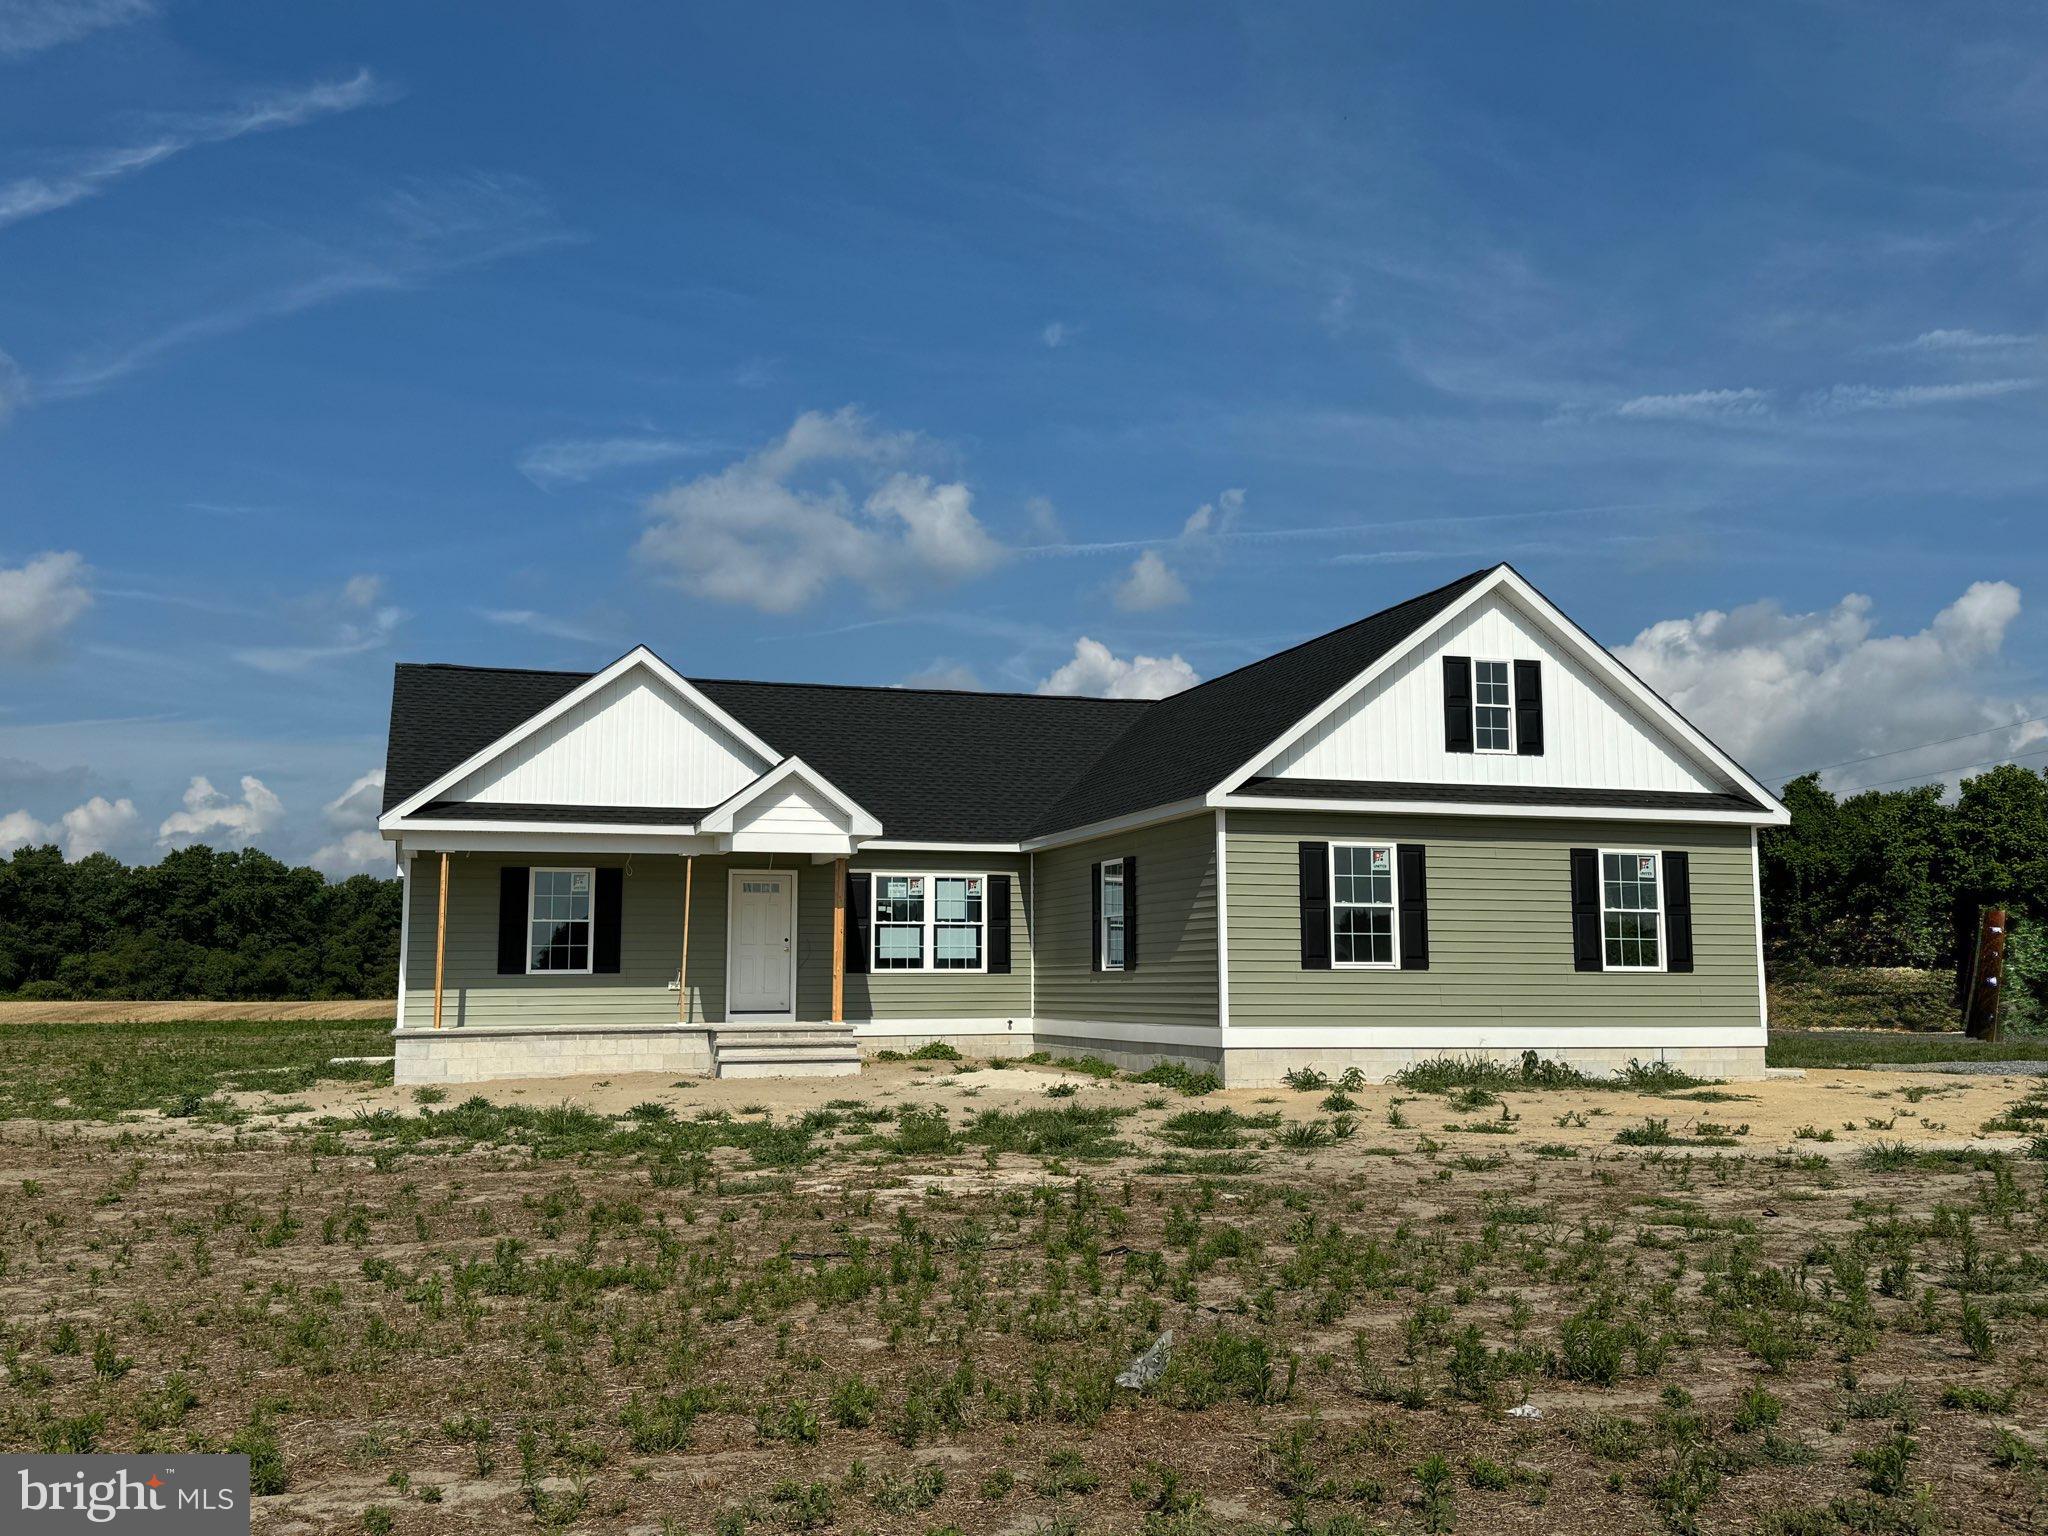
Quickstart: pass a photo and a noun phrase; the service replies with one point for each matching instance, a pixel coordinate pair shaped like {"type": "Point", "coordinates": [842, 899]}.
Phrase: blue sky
{"type": "Point", "coordinates": [1090, 347]}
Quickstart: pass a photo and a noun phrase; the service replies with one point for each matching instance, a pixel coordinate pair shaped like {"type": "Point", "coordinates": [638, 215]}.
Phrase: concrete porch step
{"type": "Point", "coordinates": [783, 1049]}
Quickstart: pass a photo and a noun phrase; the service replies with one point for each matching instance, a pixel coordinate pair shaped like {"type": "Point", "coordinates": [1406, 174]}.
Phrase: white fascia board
{"type": "Point", "coordinates": [913, 845]}
{"type": "Point", "coordinates": [862, 823]}
{"type": "Point", "coordinates": [468, 838]}
{"type": "Point", "coordinates": [1564, 630]}
{"type": "Point", "coordinates": [1135, 819]}
{"type": "Point", "coordinates": [639, 657]}
{"type": "Point", "coordinates": [1776, 817]}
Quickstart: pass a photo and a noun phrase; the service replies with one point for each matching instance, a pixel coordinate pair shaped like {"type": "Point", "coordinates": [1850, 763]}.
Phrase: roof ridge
{"type": "Point", "coordinates": [965, 693]}
{"type": "Point", "coordinates": [1468, 577]}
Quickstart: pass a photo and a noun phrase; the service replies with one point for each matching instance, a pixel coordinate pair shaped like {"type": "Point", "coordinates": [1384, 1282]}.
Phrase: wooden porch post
{"type": "Point", "coordinates": [441, 940]}
{"type": "Point", "coordinates": [838, 941]}
{"type": "Point", "coordinates": [683, 970]}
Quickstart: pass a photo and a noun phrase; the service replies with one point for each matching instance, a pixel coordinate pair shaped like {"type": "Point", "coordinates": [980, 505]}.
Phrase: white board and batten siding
{"type": "Point", "coordinates": [1393, 730]}
{"type": "Point", "coordinates": [791, 817]}
{"type": "Point", "coordinates": [633, 742]}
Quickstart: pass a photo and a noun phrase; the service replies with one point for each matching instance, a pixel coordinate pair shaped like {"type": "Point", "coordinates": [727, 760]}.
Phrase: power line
{"type": "Point", "coordinates": [2010, 725]}
{"type": "Point", "coordinates": [1922, 778]}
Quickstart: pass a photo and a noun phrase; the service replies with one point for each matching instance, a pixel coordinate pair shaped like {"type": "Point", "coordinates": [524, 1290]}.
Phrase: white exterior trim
{"type": "Point", "coordinates": [929, 904]}
{"type": "Point", "coordinates": [912, 845]}
{"type": "Point", "coordinates": [1126, 823]}
{"type": "Point", "coordinates": [589, 966]}
{"type": "Point", "coordinates": [1450, 1038]}
{"type": "Point", "coordinates": [859, 822]}
{"type": "Point", "coordinates": [1393, 960]}
{"type": "Point", "coordinates": [466, 838]}
{"type": "Point", "coordinates": [1222, 925]}
{"type": "Point", "coordinates": [1663, 948]}
{"type": "Point", "coordinates": [1589, 653]}
{"type": "Point", "coordinates": [1756, 907]}
{"type": "Point", "coordinates": [639, 656]}
{"type": "Point", "coordinates": [404, 928]}
{"type": "Point", "coordinates": [1235, 802]}
{"type": "Point", "coordinates": [771, 1016]}
{"type": "Point", "coordinates": [884, 1029]}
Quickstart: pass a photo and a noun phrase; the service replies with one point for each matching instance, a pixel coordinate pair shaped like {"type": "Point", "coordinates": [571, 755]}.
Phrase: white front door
{"type": "Point", "coordinates": [762, 954]}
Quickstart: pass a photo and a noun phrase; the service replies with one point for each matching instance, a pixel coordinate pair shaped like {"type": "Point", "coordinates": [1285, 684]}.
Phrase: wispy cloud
{"type": "Point", "coordinates": [1961, 340]}
{"type": "Point", "coordinates": [571, 461]}
{"type": "Point", "coordinates": [1697, 405]}
{"type": "Point", "coordinates": [541, 624]}
{"type": "Point", "coordinates": [30, 26]}
{"type": "Point", "coordinates": [91, 174]}
{"type": "Point", "coordinates": [349, 623]}
{"type": "Point", "coordinates": [1059, 333]}
{"type": "Point", "coordinates": [1845, 399]}
{"type": "Point", "coordinates": [414, 235]}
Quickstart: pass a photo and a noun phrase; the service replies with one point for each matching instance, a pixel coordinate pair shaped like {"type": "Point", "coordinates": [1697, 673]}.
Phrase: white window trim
{"type": "Point", "coordinates": [589, 949]}
{"type": "Point", "coordinates": [1600, 874]}
{"type": "Point", "coordinates": [1509, 749]}
{"type": "Point", "coordinates": [1102, 921]}
{"type": "Point", "coordinates": [1393, 909]}
{"type": "Point", "coordinates": [931, 925]}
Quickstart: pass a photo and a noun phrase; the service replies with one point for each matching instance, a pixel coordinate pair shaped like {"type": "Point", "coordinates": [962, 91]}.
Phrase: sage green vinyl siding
{"type": "Point", "coordinates": [941, 994]}
{"type": "Point", "coordinates": [651, 941]}
{"type": "Point", "coordinates": [1175, 979]}
{"type": "Point", "coordinates": [1500, 935]}
{"type": "Point", "coordinates": [474, 994]}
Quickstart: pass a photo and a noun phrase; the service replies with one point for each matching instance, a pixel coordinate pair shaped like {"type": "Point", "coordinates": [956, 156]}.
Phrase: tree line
{"type": "Point", "coordinates": [204, 923]}
{"type": "Point", "coordinates": [1882, 878]}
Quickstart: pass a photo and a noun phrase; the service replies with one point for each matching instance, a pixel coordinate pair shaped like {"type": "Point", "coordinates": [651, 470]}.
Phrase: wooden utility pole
{"type": "Point", "coordinates": [683, 970]}
{"type": "Point", "coordinates": [838, 940]}
{"type": "Point", "coordinates": [441, 940]}
{"type": "Point", "coordinates": [1987, 979]}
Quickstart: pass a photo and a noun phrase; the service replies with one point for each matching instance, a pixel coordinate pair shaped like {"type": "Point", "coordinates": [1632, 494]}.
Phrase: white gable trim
{"type": "Point", "coordinates": [860, 823]}
{"type": "Point", "coordinates": [1505, 578]}
{"type": "Point", "coordinates": [1756, 818]}
{"type": "Point", "coordinates": [640, 657]}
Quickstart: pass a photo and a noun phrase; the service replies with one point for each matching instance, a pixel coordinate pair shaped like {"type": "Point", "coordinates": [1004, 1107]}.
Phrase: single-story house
{"type": "Point", "coordinates": [1457, 826]}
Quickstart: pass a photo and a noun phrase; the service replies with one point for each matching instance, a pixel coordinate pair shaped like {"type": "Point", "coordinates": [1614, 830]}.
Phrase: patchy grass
{"type": "Point", "coordinates": [91, 1071]}
{"type": "Point", "coordinates": [1848, 1048]}
{"type": "Point", "coordinates": [1851, 997]}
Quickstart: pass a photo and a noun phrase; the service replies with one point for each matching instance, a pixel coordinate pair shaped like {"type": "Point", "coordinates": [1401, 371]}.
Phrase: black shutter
{"type": "Point", "coordinates": [1457, 703]}
{"type": "Point", "coordinates": [1529, 709]}
{"type": "Point", "coordinates": [1095, 924]}
{"type": "Point", "coordinates": [605, 924]}
{"type": "Point", "coordinates": [1586, 946]}
{"type": "Point", "coordinates": [998, 917]}
{"type": "Point", "coordinates": [512, 885]}
{"type": "Point", "coordinates": [1677, 912]}
{"type": "Point", "coordinates": [1412, 870]}
{"type": "Point", "coordinates": [1315, 906]}
{"type": "Point", "coordinates": [1130, 912]}
{"type": "Point", "coordinates": [859, 908]}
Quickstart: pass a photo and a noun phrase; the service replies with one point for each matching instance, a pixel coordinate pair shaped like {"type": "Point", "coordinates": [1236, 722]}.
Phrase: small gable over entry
{"type": "Point", "coordinates": [790, 809]}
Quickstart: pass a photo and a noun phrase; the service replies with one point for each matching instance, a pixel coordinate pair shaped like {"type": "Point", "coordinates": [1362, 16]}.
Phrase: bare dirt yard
{"type": "Point", "coordinates": [901, 1302]}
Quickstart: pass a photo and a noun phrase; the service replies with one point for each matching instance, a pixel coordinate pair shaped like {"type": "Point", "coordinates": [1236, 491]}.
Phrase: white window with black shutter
{"type": "Point", "coordinates": [1631, 910]}
{"type": "Point", "coordinates": [928, 920]}
{"type": "Point", "coordinates": [560, 921]}
{"type": "Point", "coordinates": [1493, 706]}
{"type": "Point", "coordinates": [1113, 910]}
{"type": "Point", "coordinates": [1364, 906]}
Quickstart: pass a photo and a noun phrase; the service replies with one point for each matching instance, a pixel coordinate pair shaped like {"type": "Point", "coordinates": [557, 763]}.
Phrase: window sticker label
{"type": "Point", "coordinates": [1646, 865]}
{"type": "Point", "coordinates": [579, 883]}
{"type": "Point", "coordinates": [1379, 861]}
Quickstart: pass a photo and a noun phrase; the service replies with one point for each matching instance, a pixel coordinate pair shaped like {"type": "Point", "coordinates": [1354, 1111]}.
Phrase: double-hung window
{"type": "Point", "coordinates": [1631, 912]}
{"type": "Point", "coordinates": [1493, 712]}
{"type": "Point", "coordinates": [1111, 874]}
{"type": "Point", "coordinates": [558, 918]}
{"type": "Point", "coordinates": [1362, 904]}
{"type": "Point", "coordinates": [930, 922]}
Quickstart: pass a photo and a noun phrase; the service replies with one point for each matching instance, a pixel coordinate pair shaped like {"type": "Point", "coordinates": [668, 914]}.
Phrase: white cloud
{"type": "Point", "coordinates": [39, 601]}
{"type": "Point", "coordinates": [776, 528]}
{"type": "Point", "coordinates": [1698, 405]}
{"type": "Point", "coordinates": [1785, 693]}
{"type": "Point", "coordinates": [945, 673]}
{"type": "Point", "coordinates": [1843, 399]}
{"type": "Point", "coordinates": [210, 814]}
{"type": "Point", "coordinates": [29, 26]}
{"type": "Point", "coordinates": [97, 826]}
{"type": "Point", "coordinates": [1043, 520]}
{"type": "Point", "coordinates": [1058, 333]}
{"type": "Point", "coordinates": [352, 817]}
{"type": "Point", "coordinates": [349, 623]}
{"type": "Point", "coordinates": [572, 461]}
{"type": "Point", "coordinates": [1097, 671]}
{"type": "Point", "coordinates": [1151, 585]}
{"type": "Point", "coordinates": [13, 387]}
{"type": "Point", "coordinates": [541, 624]}
{"type": "Point", "coordinates": [93, 173]}
{"type": "Point", "coordinates": [1962, 340]}
{"type": "Point", "coordinates": [1216, 519]}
